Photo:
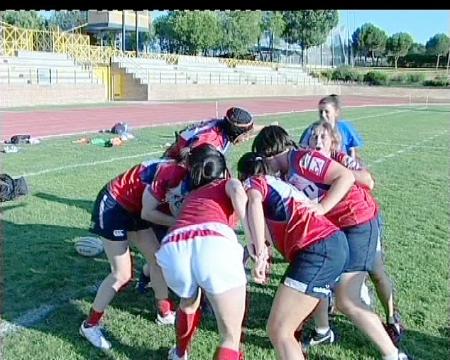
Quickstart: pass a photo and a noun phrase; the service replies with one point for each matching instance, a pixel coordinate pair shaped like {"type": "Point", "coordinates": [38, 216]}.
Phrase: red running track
{"type": "Point", "coordinates": [44, 123]}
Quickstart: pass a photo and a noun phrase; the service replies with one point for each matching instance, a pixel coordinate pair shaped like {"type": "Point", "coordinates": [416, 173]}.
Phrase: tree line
{"type": "Point", "coordinates": [239, 34]}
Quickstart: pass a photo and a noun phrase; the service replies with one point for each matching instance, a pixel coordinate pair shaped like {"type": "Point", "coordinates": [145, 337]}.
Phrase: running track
{"type": "Point", "coordinates": [44, 123]}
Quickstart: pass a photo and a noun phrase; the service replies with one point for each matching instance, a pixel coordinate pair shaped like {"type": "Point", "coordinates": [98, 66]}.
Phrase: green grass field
{"type": "Point", "coordinates": [406, 149]}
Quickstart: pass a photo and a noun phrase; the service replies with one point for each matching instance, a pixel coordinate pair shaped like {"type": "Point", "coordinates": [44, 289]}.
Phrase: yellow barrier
{"type": "Point", "coordinates": [79, 47]}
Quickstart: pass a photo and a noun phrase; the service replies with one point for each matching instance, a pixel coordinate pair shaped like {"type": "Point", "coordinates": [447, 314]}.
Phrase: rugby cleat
{"type": "Point", "coordinates": [95, 336]}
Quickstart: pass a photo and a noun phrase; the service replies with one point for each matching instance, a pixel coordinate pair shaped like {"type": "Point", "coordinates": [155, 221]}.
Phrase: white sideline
{"type": "Point", "coordinates": [184, 122]}
{"type": "Point", "coordinates": [35, 316]}
{"type": "Point", "coordinates": [94, 163]}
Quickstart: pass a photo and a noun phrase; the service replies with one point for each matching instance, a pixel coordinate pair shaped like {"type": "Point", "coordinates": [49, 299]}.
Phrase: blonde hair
{"type": "Point", "coordinates": [336, 139]}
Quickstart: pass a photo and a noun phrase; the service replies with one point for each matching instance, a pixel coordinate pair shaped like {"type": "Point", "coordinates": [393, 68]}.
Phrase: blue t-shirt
{"type": "Point", "coordinates": [350, 137]}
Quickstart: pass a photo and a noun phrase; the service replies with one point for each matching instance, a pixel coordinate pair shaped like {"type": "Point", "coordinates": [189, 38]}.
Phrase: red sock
{"type": "Point", "coordinates": [94, 318]}
{"type": "Point", "coordinates": [186, 324]}
{"type": "Point", "coordinates": [241, 355]}
{"type": "Point", "coordinates": [173, 305]}
{"type": "Point", "coordinates": [164, 307]}
{"type": "Point", "coordinates": [226, 354]}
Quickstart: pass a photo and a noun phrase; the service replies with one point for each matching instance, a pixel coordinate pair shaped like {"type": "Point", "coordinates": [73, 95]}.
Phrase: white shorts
{"type": "Point", "coordinates": [206, 255]}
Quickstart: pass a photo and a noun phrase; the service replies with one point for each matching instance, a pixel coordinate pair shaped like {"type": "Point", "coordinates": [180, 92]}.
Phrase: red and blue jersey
{"type": "Point", "coordinates": [209, 132]}
{"type": "Point", "coordinates": [307, 169]}
{"type": "Point", "coordinates": [291, 226]}
{"type": "Point", "coordinates": [167, 180]}
{"type": "Point", "coordinates": [347, 161]}
{"type": "Point", "coordinates": [209, 203]}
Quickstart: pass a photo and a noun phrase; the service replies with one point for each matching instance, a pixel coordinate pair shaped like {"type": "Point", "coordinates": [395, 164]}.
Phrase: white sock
{"type": "Point", "coordinates": [393, 356]}
{"type": "Point", "coordinates": [322, 330]}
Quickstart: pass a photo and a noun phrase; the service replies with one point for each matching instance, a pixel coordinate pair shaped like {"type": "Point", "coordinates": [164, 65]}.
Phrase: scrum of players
{"type": "Point", "coordinates": [311, 200]}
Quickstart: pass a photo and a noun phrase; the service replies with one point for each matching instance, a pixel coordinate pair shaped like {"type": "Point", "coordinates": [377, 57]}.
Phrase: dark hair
{"type": "Point", "coordinates": [251, 164]}
{"type": "Point", "coordinates": [236, 122]}
{"type": "Point", "coordinates": [206, 164]}
{"type": "Point", "coordinates": [272, 140]}
{"type": "Point", "coordinates": [331, 99]}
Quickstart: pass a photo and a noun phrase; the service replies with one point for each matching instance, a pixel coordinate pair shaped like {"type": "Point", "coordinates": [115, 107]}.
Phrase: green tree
{"type": "Point", "coordinates": [24, 19]}
{"type": "Point", "coordinates": [398, 45]}
{"type": "Point", "coordinates": [308, 27]}
{"type": "Point", "coordinates": [241, 30]}
{"type": "Point", "coordinates": [197, 31]}
{"type": "Point", "coordinates": [417, 48]}
{"type": "Point", "coordinates": [66, 20]}
{"type": "Point", "coordinates": [273, 24]}
{"type": "Point", "coordinates": [438, 45]}
{"type": "Point", "coordinates": [373, 40]}
{"type": "Point", "coordinates": [164, 31]}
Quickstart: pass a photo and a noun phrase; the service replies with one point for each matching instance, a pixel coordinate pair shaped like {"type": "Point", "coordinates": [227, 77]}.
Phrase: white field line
{"type": "Point", "coordinates": [94, 163]}
{"type": "Point", "coordinates": [183, 122]}
{"type": "Point", "coordinates": [408, 148]}
{"type": "Point", "coordinates": [39, 314]}
{"type": "Point", "coordinates": [408, 145]}
{"type": "Point", "coordinates": [87, 164]}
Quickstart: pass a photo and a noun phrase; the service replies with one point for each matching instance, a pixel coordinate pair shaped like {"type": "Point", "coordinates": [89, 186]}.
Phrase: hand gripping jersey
{"type": "Point", "coordinates": [209, 132]}
{"type": "Point", "coordinates": [292, 227]}
{"type": "Point", "coordinates": [168, 184]}
{"type": "Point", "coordinates": [209, 203]}
{"type": "Point", "coordinates": [307, 169]}
{"type": "Point", "coordinates": [347, 161]}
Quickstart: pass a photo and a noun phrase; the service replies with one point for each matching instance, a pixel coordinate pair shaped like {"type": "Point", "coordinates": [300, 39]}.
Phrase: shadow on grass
{"type": "Point", "coordinates": [40, 262]}
{"type": "Point", "coordinates": [418, 345]}
{"type": "Point", "coordinates": [81, 204]}
{"type": "Point", "coordinates": [68, 332]}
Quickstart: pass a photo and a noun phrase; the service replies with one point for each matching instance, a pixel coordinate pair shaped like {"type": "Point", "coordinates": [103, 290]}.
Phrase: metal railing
{"type": "Point", "coordinates": [216, 78]}
{"type": "Point", "coordinates": [47, 76]}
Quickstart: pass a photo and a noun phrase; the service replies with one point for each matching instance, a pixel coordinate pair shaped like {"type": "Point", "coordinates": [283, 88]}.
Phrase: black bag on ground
{"type": "Point", "coordinates": [12, 188]}
{"type": "Point", "coordinates": [20, 139]}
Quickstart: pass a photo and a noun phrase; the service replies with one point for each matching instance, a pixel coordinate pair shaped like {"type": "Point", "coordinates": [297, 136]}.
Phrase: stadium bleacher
{"type": "Point", "coordinates": [43, 68]}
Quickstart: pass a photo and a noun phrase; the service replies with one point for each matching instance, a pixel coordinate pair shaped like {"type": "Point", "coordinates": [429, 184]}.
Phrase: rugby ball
{"type": "Point", "coordinates": [89, 246]}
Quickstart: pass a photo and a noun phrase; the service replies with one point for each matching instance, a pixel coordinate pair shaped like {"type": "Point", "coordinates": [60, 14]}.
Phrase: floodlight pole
{"type": "Point", "coordinates": [137, 35]}
{"type": "Point", "coordinates": [123, 30]}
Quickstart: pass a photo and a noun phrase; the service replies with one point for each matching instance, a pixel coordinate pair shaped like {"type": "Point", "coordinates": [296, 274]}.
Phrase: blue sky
{"type": "Point", "coordinates": [420, 24]}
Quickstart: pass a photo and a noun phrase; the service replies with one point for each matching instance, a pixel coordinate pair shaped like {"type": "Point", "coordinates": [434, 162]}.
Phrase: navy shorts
{"type": "Point", "coordinates": [110, 220]}
{"type": "Point", "coordinates": [317, 268]}
{"type": "Point", "coordinates": [362, 243]}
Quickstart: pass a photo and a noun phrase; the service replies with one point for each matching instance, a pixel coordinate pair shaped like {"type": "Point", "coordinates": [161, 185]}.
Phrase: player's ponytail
{"type": "Point", "coordinates": [251, 164]}
{"type": "Point", "coordinates": [206, 164]}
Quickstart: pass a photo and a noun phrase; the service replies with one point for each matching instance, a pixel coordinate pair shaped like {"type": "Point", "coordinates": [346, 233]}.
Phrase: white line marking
{"type": "Point", "coordinates": [409, 147]}
{"type": "Point", "coordinates": [35, 316]}
{"type": "Point", "coordinates": [183, 122]}
{"type": "Point", "coordinates": [91, 163]}
{"type": "Point", "coordinates": [94, 163]}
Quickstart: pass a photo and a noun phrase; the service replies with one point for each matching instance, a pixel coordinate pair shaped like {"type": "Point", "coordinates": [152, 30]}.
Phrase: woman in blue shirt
{"type": "Point", "coordinates": [330, 111]}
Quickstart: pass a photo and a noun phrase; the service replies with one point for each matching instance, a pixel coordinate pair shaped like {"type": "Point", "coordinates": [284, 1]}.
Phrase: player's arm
{"type": "Point", "coordinates": [150, 210]}
{"type": "Point", "coordinates": [257, 227]}
{"type": "Point", "coordinates": [340, 180]}
{"type": "Point", "coordinates": [363, 177]}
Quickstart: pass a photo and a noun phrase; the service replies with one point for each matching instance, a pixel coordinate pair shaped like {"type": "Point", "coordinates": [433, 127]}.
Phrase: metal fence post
{"type": "Point", "coordinates": [9, 75]}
